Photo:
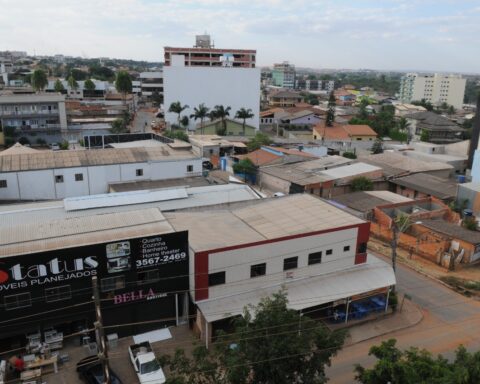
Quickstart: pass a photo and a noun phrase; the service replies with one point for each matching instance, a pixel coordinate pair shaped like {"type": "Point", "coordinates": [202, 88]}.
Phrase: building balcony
{"type": "Point", "coordinates": [27, 113]}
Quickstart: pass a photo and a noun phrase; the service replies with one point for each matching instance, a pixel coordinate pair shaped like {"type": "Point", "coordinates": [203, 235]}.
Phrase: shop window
{"type": "Point", "coordinates": [139, 172]}
{"type": "Point", "coordinates": [147, 277]}
{"type": "Point", "coordinates": [59, 179]}
{"type": "Point", "coordinates": [3, 183]}
{"type": "Point", "coordinates": [216, 278]}
{"type": "Point", "coordinates": [112, 283]}
{"type": "Point", "coordinates": [329, 251]}
{"type": "Point", "coordinates": [21, 300]}
{"type": "Point", "coordinates": [58, 293]}
{"type": "Point", "coordinates": [315, 258]}
{"type": "Point", "coordinates": [290, 263]}
{"type": "Point", "coordinates": [258, 270]}
{"type": "Point", "coordinates": [346, 248]}
{"type": "Point", "coordinates": [79, 177]}
{"type": "Point", "coordinates": [189, 168]}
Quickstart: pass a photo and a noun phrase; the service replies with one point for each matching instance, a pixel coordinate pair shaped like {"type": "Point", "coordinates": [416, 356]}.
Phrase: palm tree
{"type": "Point", "coordinates": [404, 125]}
{"type": "Point", "coordinates": [178, 108]}
{"type": "Point", "coordinates": [200, 112]}
{"type": "Point", "coordinates": [244, 114]}
{"type": "Point", "coordinates": [220, 112]}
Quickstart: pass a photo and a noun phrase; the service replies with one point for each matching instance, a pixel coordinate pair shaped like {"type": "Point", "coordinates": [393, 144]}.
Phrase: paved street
{"type": "Point", "coordinates": [450, 319]}
{"type": "Point", "coordinates": [143, 116]}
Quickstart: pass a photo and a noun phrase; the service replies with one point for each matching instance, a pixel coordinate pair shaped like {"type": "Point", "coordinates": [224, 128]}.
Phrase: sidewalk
{"type": "Point", "coordinates": [409, 315]}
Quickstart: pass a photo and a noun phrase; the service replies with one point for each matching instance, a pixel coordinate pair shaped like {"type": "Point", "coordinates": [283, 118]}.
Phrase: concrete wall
{"type": "Point", "coordinates": [43, 185]}
{"type": "Point", "coordinates": [234, 87]}
{"type": "Point", "coordinates": [273, 183]}
{"type": "Point", "coordinates": [237, 263]}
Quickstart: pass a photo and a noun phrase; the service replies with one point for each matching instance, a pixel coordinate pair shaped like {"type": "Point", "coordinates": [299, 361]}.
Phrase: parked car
{"type": "Point", "coordinates": [145, 363]}
{"type": "Point", "coordinates": [54, 147]}
{"type": "Point", "coordinates": [207, 165]}
{"type": "Point", "coordinates": [90, 371]}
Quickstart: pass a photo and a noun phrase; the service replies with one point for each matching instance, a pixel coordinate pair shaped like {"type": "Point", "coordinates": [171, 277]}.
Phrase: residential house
{"type": "Point", "coordinates": [284, 99]}
{"type": "Point", "coordinates": [421, 185]}
{"type": "Point", "coordinates": [233, 128]}
{"type": "Point", "coordinates": [343, 132]}
{"type": "Point", "coordinates": [439, 129]}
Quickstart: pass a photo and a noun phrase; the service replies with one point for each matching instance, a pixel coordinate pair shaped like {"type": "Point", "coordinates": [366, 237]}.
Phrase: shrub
{"type": "Point", "coordinates": [64, 145]}
{"type": "Point", "coordinates": [41, 142]}
{"type": "Point", "coordinates": [361, 184]}
{"type": "Point", "coordinates": [24, 140]}
{"type": "Point", "coordinates": [349, 155]}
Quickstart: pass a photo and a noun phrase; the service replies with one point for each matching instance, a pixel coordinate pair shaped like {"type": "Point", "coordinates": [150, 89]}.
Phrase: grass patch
{"type": "Point", "coordinates": [461, 283]}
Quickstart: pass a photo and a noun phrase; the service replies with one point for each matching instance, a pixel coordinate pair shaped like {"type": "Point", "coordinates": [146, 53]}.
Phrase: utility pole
{"type": "Point", "coordinates": [99, 333]}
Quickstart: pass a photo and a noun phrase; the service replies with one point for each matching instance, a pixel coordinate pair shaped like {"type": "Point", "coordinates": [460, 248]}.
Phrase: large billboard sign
{"type": "Point", "coordinates": [168, 253]}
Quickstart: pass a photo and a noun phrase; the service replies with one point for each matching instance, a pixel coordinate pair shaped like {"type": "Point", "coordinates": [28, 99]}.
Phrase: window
{"type": "Point", "coordinates": [258, 270]}
{"type": "Point", "coordinates": [329, 252]}
{"type": "Point", "coordinates": [3, 183]}
{"type": "Point", "coordinates": [147, 277]}
{"type": "Point", "coordinates": [216, 278]}
{"type": "Point", "coordinates": [362, 248]}
{"type": "Point", "coordinates": [315, 258]}
{"type": "Point", "coordinates": [189, 168]}
{"type": "Point", "coordinates": [59, 179]}
{"type": "Point", "coordinates": [290, 263]}
{"type": "Point", "coordinates": [21, 300]}
{"type": "Point", "coordinates": [139, 172]}
{"type": "Point", "coordinates": [58, 293]}
{"type": "Point", "coordinates": [346, 248]}
{"type": "Point", "coordinates": [79, 177]}
{"type": "Point", "coordinates": [112, 283]}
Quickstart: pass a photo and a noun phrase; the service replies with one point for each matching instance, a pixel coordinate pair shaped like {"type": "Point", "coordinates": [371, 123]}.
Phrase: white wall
{"type": "Point", "coordinates": [41, 185]}
{"type": "Point", "coordinates": [234, 87]}
{"type": "Point", "coordinates": [237, 263]}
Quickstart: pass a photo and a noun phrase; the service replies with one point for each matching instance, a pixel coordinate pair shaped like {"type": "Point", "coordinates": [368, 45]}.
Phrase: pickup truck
{"type": "Point", "coordinates": [145, 363]}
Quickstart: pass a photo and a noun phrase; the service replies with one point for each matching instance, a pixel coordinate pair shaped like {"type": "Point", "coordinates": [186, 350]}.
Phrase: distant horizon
{"type": "Point", "coordinates": [262, 66]}
{"type": "Point", "coordinates": [389, 36]}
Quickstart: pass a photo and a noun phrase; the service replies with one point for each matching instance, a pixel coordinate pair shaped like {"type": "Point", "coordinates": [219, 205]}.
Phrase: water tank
{"type": "Point", "coordinates": [461, 179]}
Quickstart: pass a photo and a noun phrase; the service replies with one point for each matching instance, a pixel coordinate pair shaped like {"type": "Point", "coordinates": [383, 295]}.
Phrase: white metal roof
{"type": "Point", "coordinates": [308, 291]}
{"type": "Point", "coordinates": [123, 198]}
{"type": "Point", "coordinates": [349, 170]}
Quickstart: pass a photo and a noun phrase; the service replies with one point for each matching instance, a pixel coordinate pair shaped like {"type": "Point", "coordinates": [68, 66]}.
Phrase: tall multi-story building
{"type": "Point", "coordinates": [315, 85]}
{"type": "Point", "coordinates": [149, 83]}
{"type": "Point", "coordinates": [283, 75]}
{"type": "Point", "coordinates": [205, 54]}
{"type": "Point", "coordinates": [436, 88]}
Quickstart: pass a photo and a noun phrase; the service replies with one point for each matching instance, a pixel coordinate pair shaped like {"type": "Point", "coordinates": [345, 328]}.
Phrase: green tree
{"type": "Point", "coordinates": [89, 85]}
{"type": "Point", "coordinates": [424, 136]}
{"type": "Point", "coordinates": [244, 114]}
{"type": "Point", "coordinates": [178, 108]}
{"type": "Point", "coordinates": [377, 147]}
{"type": "Point", "coordinates": [423, 103]}
{"type": "Point", "coordinates": [451, 110]}
{"type": "Point", "coordinates": [418, 366]}
{"type": "Point", "coordinates": [269, 344]}
{"type": "Point", "coordinates": [259, 140]}
{"type": "Point", "coordinates": [118, 126]}
{"type": "Point", "coordinates": [184, 121]}
{"type": "Point", "coordinates": [72, 83]}
{"type": "Point", "coordinates": [59, 86]}
{"type": "Point", "coordinates": [245, 166]}
{"type": "Point", "coordinates": [123, 84]}
{"type": "Point", "coordinates": [384, 120]}
{"type": "Point", "coordinates": [39, 80]}
{"type": "Point", "coordinates": [221, 112]}
{"type": "Point", "coordinates": [331, 110]}
{"type": "Point", "coordinates": [176, 134]}
{"type": "Point", "coordinates": [200, 113]}
{"type": "Point", "coordinates": [361, 183]}
{"type": "Point", "coordinates": [363, 113]}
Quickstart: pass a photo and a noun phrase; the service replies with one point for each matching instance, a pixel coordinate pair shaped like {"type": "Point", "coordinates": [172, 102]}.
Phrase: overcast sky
{"type": "Point", "coordinates": [441, 35]}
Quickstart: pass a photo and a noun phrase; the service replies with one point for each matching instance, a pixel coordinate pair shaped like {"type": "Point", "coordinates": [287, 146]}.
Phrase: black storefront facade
{"type": "Point", "coordinates": [143, 283]}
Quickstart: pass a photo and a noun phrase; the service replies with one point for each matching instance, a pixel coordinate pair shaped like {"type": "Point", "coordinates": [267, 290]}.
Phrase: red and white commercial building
{"type": "Point", "coordinates": [251, 250]}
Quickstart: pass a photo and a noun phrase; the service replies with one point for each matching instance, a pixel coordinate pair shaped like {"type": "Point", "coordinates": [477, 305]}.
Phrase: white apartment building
{"type": "Point", "coordinates": [33, 112]}
{"type": "Point", "coordinates": [49, 175]}
{"type": "Point", "coordinates": [236, 87]}
{"type": "Point", "coordinates": [437, 89]}
{"type": "Point", "coordinates": [148, 83]}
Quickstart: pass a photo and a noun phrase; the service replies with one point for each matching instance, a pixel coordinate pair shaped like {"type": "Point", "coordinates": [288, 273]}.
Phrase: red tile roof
{"type": "Point", "coordinates": [342, 131]}
{"type": "Point", "coordinates": [260, 157]}
{"type": "Point", "coordinates": [359, 130]}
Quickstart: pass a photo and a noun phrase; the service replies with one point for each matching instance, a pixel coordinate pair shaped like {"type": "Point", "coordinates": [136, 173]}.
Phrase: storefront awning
{"type": "Point", "coordinates": [307, 292]}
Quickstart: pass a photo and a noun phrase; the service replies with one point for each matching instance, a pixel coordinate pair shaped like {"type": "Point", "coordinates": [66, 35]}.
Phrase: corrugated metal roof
{"type": "Point", "coordinates": [308, 291]}
{"type": "Point", "coordinates": [65, 159]}
{"type": "Point", "coordinates": [77, 231]}
{"type": "Point", "coordinates": [267, 219]}
{"type": "Point", "coordinates": [123, 198]}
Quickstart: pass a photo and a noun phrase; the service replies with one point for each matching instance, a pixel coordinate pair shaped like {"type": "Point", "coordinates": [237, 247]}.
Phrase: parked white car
{"type": "Point", "coordinates": [145, 363]}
